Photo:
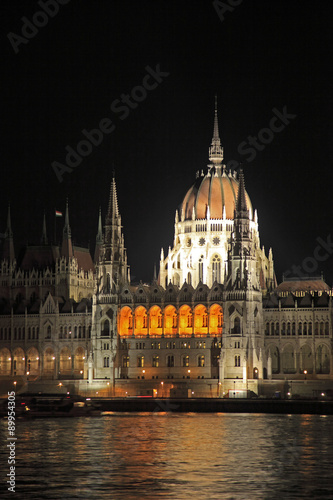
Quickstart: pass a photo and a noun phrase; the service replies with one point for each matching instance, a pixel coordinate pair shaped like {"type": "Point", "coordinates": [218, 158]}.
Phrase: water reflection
{"type": "Point", "coordinates": [174, 456]}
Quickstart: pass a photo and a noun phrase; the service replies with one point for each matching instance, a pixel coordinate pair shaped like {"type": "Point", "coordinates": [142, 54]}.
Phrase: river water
{"type": "Point", "coordinates": [172, 456]}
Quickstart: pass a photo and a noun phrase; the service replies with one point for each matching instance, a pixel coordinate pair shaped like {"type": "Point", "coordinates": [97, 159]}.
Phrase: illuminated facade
{"type": "Point", "coordinates": [214, 320]}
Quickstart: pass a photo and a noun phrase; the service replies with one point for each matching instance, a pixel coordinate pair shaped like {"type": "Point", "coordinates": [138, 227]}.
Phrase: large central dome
{"type": "Point", "coordinates": [216, 191]}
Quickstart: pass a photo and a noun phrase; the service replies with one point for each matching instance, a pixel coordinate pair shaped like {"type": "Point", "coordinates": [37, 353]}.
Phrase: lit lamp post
{"type": "Point", "coordinates": [162, 384]}
{"type": "Point", "coordinates": [143, 373]}
{"type": "Point", "coordinates": [305, 372]}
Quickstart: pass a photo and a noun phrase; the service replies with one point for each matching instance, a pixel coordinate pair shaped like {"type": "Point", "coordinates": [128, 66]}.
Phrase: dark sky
{"type": "Point", "coordinates": [258, 56]}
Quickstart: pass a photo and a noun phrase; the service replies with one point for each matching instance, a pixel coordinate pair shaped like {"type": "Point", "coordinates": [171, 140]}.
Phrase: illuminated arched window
{"type": "Point", "coordinates": [186, 360]}
{"type": "Point", "coordinates": [141, 361]}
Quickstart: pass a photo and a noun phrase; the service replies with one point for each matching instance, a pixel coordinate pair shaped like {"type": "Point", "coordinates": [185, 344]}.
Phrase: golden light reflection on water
{"type": "Point", "coordinates": [176, 456]}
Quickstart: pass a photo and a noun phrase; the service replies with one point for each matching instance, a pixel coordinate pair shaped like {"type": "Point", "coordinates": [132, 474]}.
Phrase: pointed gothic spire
{"type": "Point", "coordinates": [67, 249]}
{"type": "Point", "coordinates": [113, 211]}
{"type": "Point", "coordinates": [8, 246]}
{"type": "Point", "coordinates": [9, 232]}
{"type": "Point", "coordinates": [241, 205]}
{"type": "Point", "coordinates": [99, 237]}
{"type": "Point", "coordinates": [216, 150]}
{"type": "Point", "coordinates": [43, 239]}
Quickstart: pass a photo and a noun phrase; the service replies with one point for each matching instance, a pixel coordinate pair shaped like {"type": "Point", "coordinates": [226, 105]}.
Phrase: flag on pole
{"type": "Point", "coordinates": [58, 214]}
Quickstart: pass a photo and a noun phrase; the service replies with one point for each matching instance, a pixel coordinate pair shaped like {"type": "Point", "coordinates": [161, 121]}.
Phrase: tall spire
{"type": "Point", "coordinates": [67, 249]}
{"type": "Point", "coordinates": [113, 211]}
{"type": "Point", "coordinates": [43, 239]}
{"type": "Point", "coordinates": [241, 205]}
{"type": "Point", "coordinates": [216, 150]}
{"type": "Point", "coordinates": [99, 237]}
{"type": "Point", "coordinates": [9, 232]}
{"type": "Point", "coordinates": [8, 246]}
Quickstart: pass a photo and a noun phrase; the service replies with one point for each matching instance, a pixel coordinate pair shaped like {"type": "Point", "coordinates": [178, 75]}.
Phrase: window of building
{"type": "Point", "coordinates": [141, 361]}
{"type": "Point", "coordinates": [201, 268]}
{"type": "Point", "coordinates": [106, 328]}
{"type": "Point", "coordinates": [106, 362]}
{"type": "Point", "coordinates": [48, 332]}
{"type": "Point", "coordinates": [156, 361]}
{"type": "Point", "coordinates": [125, 361]}
{"type": "Point", "coordinates": [186, 361]}
{"type": "Point", "coordinates": [237, 360]}
{"type": "Point", "coordinates": [170, 361]}
{"type": "Point", "coordinates": [237, 327]}
{"type": "Point", "coordinates": [216, 269]}
{"type": "Point", "coordinates": [201, 361]}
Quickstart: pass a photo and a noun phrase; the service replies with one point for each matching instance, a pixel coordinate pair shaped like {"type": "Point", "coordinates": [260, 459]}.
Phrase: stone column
{"type": "Point", "coordinates": [269, 367]}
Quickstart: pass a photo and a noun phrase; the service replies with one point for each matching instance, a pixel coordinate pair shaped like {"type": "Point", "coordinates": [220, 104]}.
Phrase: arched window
{"type": "Point", "coordinates": [305, 328]}
{"type": "Point", "coordinates": [141, 361]}
{"type": "Point", "coordinates": [237, 325]}
{"type": "Point", "coordinates": [170, 361]}
{"type": "Point", "coordinates": [201, 361]}
{"type": "Point", "coordinates": [327, 328]}
{"type": "Point", "coordinates": [216, 269]}
{"type": "Point", "coordinates": [186, 361]}
{"type": "Point", "coordinates": [156, 361]}
{"type": "Point", "coordinates": [48, 332]}
{"type": "Point", "coordinates": [108, 283]}
{"type": "Point", "coordinates": [201, 268]}
{"type": "Point", "coordinates": [106, 362]}
{"type": "Point", "coordinates": [106, 328]}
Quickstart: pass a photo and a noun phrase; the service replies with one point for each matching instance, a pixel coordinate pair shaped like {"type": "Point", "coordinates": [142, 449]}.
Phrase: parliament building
{"type": "Point", "coordinates": [213, 322]}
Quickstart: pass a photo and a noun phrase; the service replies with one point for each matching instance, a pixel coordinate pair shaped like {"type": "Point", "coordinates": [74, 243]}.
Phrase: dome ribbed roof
{"type": "Point", "coordinates": [214, 190]}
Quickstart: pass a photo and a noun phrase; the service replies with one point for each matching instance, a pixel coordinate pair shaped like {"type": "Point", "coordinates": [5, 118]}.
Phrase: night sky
{"type": "Point", "coordinates": [257, 56]}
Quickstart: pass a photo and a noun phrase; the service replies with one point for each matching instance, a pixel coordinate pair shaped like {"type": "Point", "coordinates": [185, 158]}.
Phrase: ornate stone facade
{"type": "Point", "coordinates": [213, 321]}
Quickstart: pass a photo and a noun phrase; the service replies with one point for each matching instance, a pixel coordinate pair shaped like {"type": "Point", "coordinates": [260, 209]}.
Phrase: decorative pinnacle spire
{"type": "Point", "coordinates": [99, 236]}
{"type": "Point", "coordinates": [216, 150]}
{"type": "Point", "coordinates": [113, 211]}
{"type": "Point", "coordinates": [241, 205]}
{"type": "Point", "coordinates": [67, 228]}
{"type": "Point", "coordinates": [9, 232]}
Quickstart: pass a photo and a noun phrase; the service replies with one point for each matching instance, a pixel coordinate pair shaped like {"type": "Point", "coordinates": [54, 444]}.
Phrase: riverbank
{"type": "Point", "coordinates": [215, 405]}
